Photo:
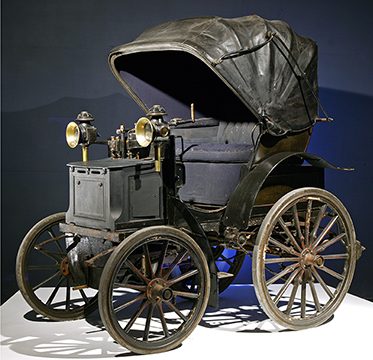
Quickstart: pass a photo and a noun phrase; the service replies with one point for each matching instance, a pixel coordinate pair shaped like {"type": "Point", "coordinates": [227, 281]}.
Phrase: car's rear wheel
{"type": "Point", "coordinates": [304, 258]}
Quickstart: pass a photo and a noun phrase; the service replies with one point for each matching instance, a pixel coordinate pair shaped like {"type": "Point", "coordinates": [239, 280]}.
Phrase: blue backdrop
{"type": "Point", "coordinates": [54, 64]}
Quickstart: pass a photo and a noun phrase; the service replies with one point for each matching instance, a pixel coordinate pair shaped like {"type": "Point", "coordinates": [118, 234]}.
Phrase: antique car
{"type": "Point", "coordinates": [216, 169]}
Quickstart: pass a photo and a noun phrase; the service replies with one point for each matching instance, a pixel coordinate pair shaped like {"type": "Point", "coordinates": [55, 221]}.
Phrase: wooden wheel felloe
{"type": "Point", "coordinates": [43, 275]}
{"type": "Point", "coordinates": [154, 289]}
{"type": "Point", "coordinates": [304, 258]}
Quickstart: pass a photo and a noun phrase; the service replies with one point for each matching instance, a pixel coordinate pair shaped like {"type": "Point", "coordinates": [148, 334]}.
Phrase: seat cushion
{"type": "Point", "coordinates": [217, 153]}
{"type": "Point", "coordinates": [209, 183]}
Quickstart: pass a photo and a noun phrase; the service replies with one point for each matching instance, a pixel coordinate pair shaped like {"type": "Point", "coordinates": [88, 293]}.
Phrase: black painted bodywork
{"type": "Point", "coordinates": [110, 193]}
{"type": "Point", "coordinates": [242, 201]}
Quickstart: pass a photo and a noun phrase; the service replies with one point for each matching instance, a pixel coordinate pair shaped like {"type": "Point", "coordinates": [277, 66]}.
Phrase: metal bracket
{"type": "Point", "coordinates": [359, 249]}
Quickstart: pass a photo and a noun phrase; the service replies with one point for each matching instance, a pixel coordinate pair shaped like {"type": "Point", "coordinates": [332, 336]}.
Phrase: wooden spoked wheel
{"type": "Point", "coordinates": [154, 289]}
{"type": "Point", "coordinates": [43, 273]}
{"type": "Point", "coordinates": [304, 258]}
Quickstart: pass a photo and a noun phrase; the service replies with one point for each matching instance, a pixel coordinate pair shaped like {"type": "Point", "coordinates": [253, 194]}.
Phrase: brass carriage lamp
{"type": "Point", "coordinates": [152, 128]}
{"type": "Point", "coordinates": [81, 132]}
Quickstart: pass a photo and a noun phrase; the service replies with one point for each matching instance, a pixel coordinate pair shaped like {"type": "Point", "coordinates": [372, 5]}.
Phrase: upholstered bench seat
{"type": "Point", "coordinates": [209, 183]}
{"type": "Point", "coordinates": [213, 154]}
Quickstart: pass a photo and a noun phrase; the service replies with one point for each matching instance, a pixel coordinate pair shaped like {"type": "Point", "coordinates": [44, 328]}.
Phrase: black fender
{"type": "Point", "coordinates": [201, 239]}
{"type": "Point", "coordinates": [241, 202]}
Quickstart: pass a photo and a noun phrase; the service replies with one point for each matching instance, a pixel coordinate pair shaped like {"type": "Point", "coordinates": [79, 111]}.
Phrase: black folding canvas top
{"type": "Point", "coordinates": [242, 69]}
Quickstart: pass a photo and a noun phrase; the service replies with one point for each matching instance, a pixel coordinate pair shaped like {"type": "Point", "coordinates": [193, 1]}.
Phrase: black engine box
{"type": "Point", "coordinates": [114, 193]}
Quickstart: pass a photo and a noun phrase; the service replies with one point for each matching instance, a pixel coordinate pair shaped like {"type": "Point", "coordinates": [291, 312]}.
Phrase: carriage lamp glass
{"type": "Point", "coordinates": [144, 132]}
{"type": "Point", "coordinates": [147, 130]}
{"type": "Point", "coordinates": [73, 134]}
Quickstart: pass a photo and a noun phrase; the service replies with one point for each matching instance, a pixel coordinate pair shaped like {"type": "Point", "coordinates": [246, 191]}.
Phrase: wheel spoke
{"type": "Point", "coordinates": [180, 256]}
{"type": "Point", "coordinates": [308, 223]}
{"type": "Point", "coordinates": [57, 273]}
{"type": "Point", "coordinates": [52, 235]}
{"type": "Point", "coordinates": [123, 306]}
{"type": "Point", "coordinates": [130, 286]}
{"type": "Point", "coordinates": [316, 226]}
{"type": "Point", "coordinates": [328, 243]}
{"type": "Point", "coordinates": [136, 271]}
{"type": "Point", "coordinates": [163, 320]}
{"type": "Point", "coordinates": [54, 292]}
{"type": "Point", "coordinates": [297, 224]}
{"type": "Point", "coordinates": [182, 277]}
{"type": "Point", "coordinates": [303, 298]}
{"type": "Point", "coordinates": [176, 310]}
{"type": "Point", "coordinates": [314, 294]}
{"type": "Point", "coordinates": [68, 294]}
{"type": "Point", "coordinates": [293, 294]}
{"type": "Point", "coordinates": [84, 296]}
{"type": "Point", "coordinates": [42, 267]}
{"type": "Point", "coordinates": [136, 315]}
{"type": "Point", "coordinates": [280, 260]}
{"type": "Point", "coordinates": [335, 256]}
{"type": "Point", "coordinates": [285, 286]}
{"type": "Point", "coordinates": [52, 239]}
{"type": "Point", "coordinates": [287, 270]}
{"type": "Point", "coordinates": [324, 232]}
{"type": "Point", "coordinates": [187, 294]}
{"type": "Point", "coordinates": [289, 234]}
{"type": "Point", "coordinates": [283, 247]}
{"type": "Point", "coordinates": [148, 321]}
{"type": "Point", "coordinates": [148, 261]}
{"type": "Point", "coordinates": [331, 272]}
{"type": "Point", "coordinates": [161, 259]}
{"type": "Point", "coordinates": [54, 256]}
{"type": "Point", "coordinates": [321, 282]}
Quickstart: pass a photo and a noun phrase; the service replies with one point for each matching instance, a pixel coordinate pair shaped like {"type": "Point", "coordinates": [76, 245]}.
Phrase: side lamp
{"type": "Point", "coordinates": [81, 132]}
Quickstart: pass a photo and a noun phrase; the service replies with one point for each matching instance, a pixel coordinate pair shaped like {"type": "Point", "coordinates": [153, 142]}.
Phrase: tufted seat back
{"type": "Point", "coordinates": [236, 132]}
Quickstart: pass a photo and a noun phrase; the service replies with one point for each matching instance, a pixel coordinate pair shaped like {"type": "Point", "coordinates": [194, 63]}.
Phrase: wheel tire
{"type": "Point", "coordinates": [303, 259]}
{"type": "Point", "coordinates": [117, 268]}
{"type": "Point", "coordinates": [29, 258]}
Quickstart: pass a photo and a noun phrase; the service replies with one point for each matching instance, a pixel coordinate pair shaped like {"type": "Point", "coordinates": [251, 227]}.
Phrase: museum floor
{"type": "Point", "coordinates": [239, 329]}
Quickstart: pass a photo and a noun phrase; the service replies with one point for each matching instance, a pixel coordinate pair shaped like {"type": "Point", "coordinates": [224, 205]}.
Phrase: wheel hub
{"type": "Point", "coordinates": [158, 290]}
{"type": "Point", "coordinates": [308, 258]}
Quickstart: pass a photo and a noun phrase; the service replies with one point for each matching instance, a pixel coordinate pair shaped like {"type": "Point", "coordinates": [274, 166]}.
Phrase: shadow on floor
{"type": "Point", "coordinates": [239, 312]}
